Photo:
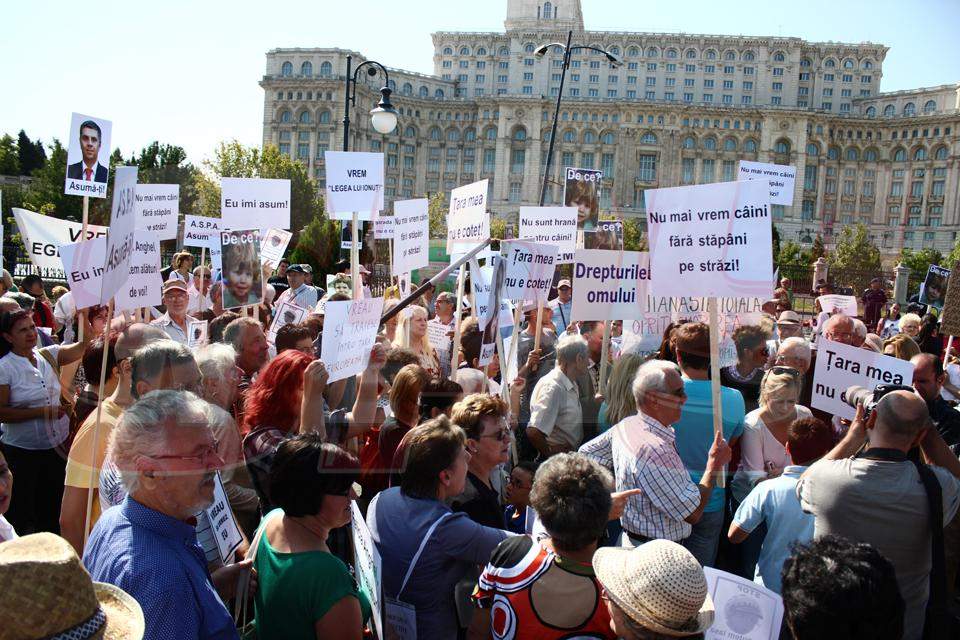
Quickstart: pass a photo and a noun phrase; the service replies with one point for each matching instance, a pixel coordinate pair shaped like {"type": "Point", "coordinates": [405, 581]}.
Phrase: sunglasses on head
{"type": "Point", "coordinates": [780, 370]}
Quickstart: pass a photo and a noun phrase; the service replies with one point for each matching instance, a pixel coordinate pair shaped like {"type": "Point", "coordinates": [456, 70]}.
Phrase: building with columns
{"type": "Point", "coordinates": [678, 109]}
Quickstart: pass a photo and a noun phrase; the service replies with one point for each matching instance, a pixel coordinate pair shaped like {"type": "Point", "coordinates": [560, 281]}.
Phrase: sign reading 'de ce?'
{"type": "Point", "coordinates": [839, 366]}
{"type": "Point", "coordinates": [551, 225]}
{"type": "Point", "coordinates": [711, 240]}
{"type": "Point", "coordinates": [530, 268]}
{"type": "Point", "coordinates": [610, 285]}
{"type": "Point", "coordinates": [354, 184]}
{"type": "Point", "coordinates": [198, 231]}
{"type": "Point", "coordinates": [43, 235]}
{"type": "Point", "coordinates": [411, 235]}
{"type": "Point", "coordinates": [351, 331]}
{"type": "Point", "coordinates": [467, 220]}
{"type": "Point", "coordinates": [158, 208]}
{"type": "Point", "coordinates": [255, 203]}
{"type": "Point", "coordinates": [780, 177]}
{"type": "Point", "coordinates": [116, 267]}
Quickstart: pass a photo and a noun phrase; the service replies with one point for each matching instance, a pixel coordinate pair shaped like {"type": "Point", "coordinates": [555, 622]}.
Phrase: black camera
{"type": "Point", "coordinates": [856, 394]}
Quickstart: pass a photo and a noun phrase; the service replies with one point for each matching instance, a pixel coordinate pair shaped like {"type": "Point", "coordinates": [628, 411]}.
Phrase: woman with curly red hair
{"type": "Point", "coordinates": [287, 399]}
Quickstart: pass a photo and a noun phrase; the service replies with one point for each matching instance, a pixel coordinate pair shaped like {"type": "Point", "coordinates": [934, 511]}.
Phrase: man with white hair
{"type": "Point", "coordinates": [556, 417]}
{"type": "Point", "coordinates": [167, 455]}
{"type": "Point", "coordinates": [199, 290]}
{"type": "Point", "coordinates": [837, 328]}
{"type": "Point", "coordinates": [859, 333]}
{"type": "Point", "coordinates": [641, 453]}
{"type": "Point", "coordinates": [795, 353]}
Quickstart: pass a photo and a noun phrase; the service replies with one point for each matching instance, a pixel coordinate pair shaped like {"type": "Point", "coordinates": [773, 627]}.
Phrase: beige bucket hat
{"type": "Point", "coordinates": [48, 594]}
{"type": "Point", "coordinates": [659, 585]}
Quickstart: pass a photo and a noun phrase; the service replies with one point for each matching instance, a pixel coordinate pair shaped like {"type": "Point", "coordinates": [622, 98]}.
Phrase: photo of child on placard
{"type": "Point", "coordinates": [608, 235]}
{"type": "Point", "coordinates": [934, 287]}
{"type": "Point", "coordinates": [88, 157]}
{"type": "Point", "coordinates": [286, 313]}
{"type": "Point", "coordinates": [241, 268]}
{"type": "Point", "coordinates": [339, 284]}
{"type": "Point", "coordinates": [197, 333]}
{"type": "Point", "coordinates": [582, 190]}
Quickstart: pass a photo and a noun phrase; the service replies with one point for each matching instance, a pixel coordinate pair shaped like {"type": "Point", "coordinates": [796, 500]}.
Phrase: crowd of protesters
{"type": "Point", "coordinates": [551, 502]}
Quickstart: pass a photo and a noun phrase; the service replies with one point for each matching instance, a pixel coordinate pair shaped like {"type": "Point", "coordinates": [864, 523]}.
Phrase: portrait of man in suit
{"type": "Point", "coordinates": [89, 169]}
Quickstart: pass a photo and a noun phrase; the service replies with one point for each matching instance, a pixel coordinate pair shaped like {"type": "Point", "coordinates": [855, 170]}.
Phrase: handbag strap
{"type": "Point", "coordinates": [243, 582]}
{"type": "Point", "coordinates": [423, 545]}
{"type": "Point", "coordinates": [936, 625]}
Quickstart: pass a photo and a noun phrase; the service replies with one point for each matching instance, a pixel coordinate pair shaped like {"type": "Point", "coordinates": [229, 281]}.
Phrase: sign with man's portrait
{"type": "Point", "coordinates": [88, 157]}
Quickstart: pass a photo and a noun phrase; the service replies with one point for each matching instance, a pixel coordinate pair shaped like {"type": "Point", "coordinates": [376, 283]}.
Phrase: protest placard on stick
{"type": "Point", "coordinates": [840, 366]}
{"type": "Point", "coordinates": [242, 274]}
{"type": "Point", "coordinates": [411, 235]}
{"type": "Point", "coordinates": [116, 267]}
{"type": "Point", "coordinates": [711, 240]}
{"type": "Point", "coordinates": [354, 184]}
{"type": "Point", "coordinates": [255, 203]}
{"type": "Point", "coordinates": [157, 208]}
{"type": "Point", "coordinates": [88, 157]}
{"type": "Point", "coordinates": [780, 178]}
{"type": "Point", "coordinates": [836, 303]}
{"type": "Point", "coordinates": [468, 222]}
{"type": "Point", "coordinates": [351, 330]}
{"type": "Point", "coordinates": [610, 285]}
{"type": "Point", "coordinates": [934, 287]}
{"type": "Point", "coordinates": [529, 270]}
{"type": "Point", "coordinates": [551, 225]}
{"type": "Point", "coordinates": [43, 236]}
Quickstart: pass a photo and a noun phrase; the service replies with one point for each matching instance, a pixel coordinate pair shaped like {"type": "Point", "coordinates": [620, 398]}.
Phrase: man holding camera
{"type": "Point", "coordinates": [880, 497]}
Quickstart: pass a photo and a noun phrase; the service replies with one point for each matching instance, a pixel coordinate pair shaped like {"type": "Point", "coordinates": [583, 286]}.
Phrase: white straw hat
{"type": "Point", "coordinates": [659, 585]}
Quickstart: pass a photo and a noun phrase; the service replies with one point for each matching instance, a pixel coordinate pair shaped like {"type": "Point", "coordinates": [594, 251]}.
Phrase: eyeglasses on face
{"type": "Point", "coordinates": [209, 452]}
{"type": "Point", "coordinates": [502, 435]}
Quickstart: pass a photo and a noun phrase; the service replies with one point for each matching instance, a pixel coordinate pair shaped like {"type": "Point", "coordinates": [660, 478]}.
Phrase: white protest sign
{"type": "Point", "coordinates": [840, 366]}
{"type": "Point", "coordinates": [144, 285]}
{"type": "Point", "coordinates": [383, 226]}
{"type": "Point", "coordinates": [43, 235]}
{"type": "Point", "coordinates": [215, 253]}
{"type": "Point", "coordinates": [467, 220]}
{"type": "Point", "coordinates": [551, 225]}
{"type": "Point", "coordinates": [480, 278]}
{"type": "Point", "coordinates": [272, 247]}
{"type": "Point", "coordinates": [411, 235]}
{"type": "Point", "coordinates": [225, 529]}
{"type": "Point", "coordinates": [366, 562]}
{"type": "Point", "coordinates": [780, 177]}
{"type": "Point", "coordinates": [711, 240]}
{"type": "Point", "coordinates": [88, 156]}
{"type": "Point", "coordinates": [610, 285]}
{"type": "Point", "coordinates": [744, 609]}
{"type": "Point", "coordinates": [644, 334]}
{"type": "Point", "coordinates": [530, 267]}
{"type": "Point", "coordinates": [354, 184]}
{"type": "Point", "coordinates": [285, 313]}
{"type": "Point", "coordinates": [82, 268]}
{"type": "Point", "coordinates": [157, 209]}
{"type": "Point", "coordinates": [439, 337]}
{"type": "Point", "coordinates": [836, 303]}
{"type": "Point", "coordinates": [198, 230]}
{"type": "Point", "coordinates": [116, 267]}
{"type": "Point", "coordinates": [255, 203]}
{"type": "Point", "coordinates": [351, 330]}
{"type": "Point", "coordinates": [197, 331]}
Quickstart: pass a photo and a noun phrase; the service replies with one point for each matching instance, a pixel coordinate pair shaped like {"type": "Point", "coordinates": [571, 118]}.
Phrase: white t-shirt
{"type": "Point", "coordinates": [7, 531]}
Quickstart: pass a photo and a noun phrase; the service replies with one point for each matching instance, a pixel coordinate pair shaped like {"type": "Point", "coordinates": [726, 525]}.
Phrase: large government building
{"type": "Point", "coordinates": [678, 109]}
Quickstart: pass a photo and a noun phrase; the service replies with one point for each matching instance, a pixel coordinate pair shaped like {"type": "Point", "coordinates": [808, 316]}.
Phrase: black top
{"type": "Point", "coordinates": [481, 503]}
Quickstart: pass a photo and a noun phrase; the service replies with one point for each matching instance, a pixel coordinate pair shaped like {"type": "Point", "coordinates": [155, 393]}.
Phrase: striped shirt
{"type": "Point", "coordinates": [642, 453]}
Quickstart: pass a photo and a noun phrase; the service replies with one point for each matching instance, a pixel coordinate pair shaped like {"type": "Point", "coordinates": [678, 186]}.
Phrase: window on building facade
{"type": "Point", "coordinates": [648, 167]}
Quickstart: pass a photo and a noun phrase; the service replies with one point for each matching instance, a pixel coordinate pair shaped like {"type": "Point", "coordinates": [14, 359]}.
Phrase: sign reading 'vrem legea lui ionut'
{"type": "Point", "coordinates": [354, 184]}
{"type": "Point", "coordinates": [711, 240]}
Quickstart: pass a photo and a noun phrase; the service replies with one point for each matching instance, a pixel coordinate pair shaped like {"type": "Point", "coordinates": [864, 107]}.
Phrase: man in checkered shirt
{"type": "Point", "coordinates": [641, 452]}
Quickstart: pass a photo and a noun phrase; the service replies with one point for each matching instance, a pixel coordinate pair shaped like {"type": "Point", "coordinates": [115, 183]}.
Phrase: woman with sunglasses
{"type": "Point", "coordinates": [763, 453]}
{"type": "Point", "coordinates": [752, 355]}
{"type": "Point", "coordinates": [484, 419]}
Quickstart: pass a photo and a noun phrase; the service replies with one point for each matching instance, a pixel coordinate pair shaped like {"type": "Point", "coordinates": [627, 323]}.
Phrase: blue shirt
{"type": "Point", "coordinates": [561, 314]}
{"type": "Point", "coordinates": [695, 429]}
{"type": "Point", "coordinates": [398, 524]}
{"type": "Point", "coordinates": [775, 501]}
{"type": "Point", "coordinates": [157, 560]}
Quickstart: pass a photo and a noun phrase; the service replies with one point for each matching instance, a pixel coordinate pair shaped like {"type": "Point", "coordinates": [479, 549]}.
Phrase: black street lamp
{"type": "Point", "coordinates": [383, 117]}
{"type": "Point", "coordinates": [567, 50]}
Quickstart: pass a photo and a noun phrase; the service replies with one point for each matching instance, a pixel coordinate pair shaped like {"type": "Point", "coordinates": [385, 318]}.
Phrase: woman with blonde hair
{"type": "Point", "coordinates": [910, 324]}
{"type": "Point", "coordinates": [901, 346]}
{"type": "Point", "coordinates": [763, 452]}
{"type": "Point", "coordinates": [620, 402]}
{"type": "Point", "coordinates": [412, 334]}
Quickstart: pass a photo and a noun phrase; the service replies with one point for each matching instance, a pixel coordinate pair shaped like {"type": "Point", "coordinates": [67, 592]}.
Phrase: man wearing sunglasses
{"type": "Point", "coordinates": [199, 290]}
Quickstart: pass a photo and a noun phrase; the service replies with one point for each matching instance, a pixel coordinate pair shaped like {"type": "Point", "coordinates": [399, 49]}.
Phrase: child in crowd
{"type": "Point", "coordinates": [518, 496]}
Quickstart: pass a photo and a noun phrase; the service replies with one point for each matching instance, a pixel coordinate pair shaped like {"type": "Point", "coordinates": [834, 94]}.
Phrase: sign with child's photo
{"type": "Point", "coordinates": [242, 277]}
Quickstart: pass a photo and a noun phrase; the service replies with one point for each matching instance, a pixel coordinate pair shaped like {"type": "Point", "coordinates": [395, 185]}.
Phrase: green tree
{"type": "Point", "coordinates": [167, 164]}
{"type": "Point", "coordinates": [9, 156]}
{"type": "Point", "coordinates": [633, 239]}
{"type": "Point", "coordinates": [437, 211]}
{"type": "Point", "coordinates": [954, 255]}
{"type": "Point", "coordinates": [919, 261]}
{"type": "Point", "coordinates": [318, 246]}
{"type": "Point", "coordinates": [775, 236]}
{"type": "Point", "coordinates": [45, 192]}
{"type": "Point", "coordinates": [30, 154]}
{"type": "Point", "coordinates": [855, 260]}
{"type": "Point", "coordinates": [792, 253]}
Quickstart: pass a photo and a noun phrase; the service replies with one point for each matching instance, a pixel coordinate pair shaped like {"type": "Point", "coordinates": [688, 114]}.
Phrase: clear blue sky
{"type": "Point", "coordinates": [186, 72]}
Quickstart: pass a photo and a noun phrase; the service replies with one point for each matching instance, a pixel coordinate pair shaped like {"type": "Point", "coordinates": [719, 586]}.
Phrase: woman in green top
{"type": "Point", "coordinates": [304, 590]}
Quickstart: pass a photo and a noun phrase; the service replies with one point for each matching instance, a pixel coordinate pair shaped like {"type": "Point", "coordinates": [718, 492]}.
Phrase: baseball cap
{"type": "Point", "coordinates": [174, 284]}
{"type": "Point", "coordinates": [296, 268]}
{"type": "Point", "coordinates": [564, 283]}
